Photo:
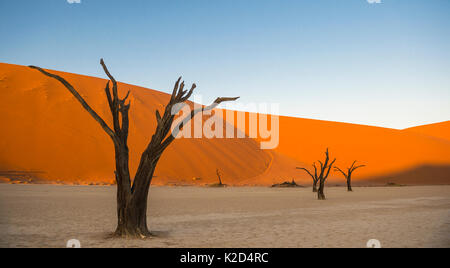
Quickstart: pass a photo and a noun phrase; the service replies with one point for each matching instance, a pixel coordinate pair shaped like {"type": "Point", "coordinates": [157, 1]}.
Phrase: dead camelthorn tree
{"type": "Point", "coordinates": [315, 177]}
{"type": "Point", "coordinates": [132, 195]}
{"type": "Point", "coordinates": [325, 168]}
{"type": "Point", "coordinates": [348, 174]}
{"type": "Point", "coordinates": [219, 177]}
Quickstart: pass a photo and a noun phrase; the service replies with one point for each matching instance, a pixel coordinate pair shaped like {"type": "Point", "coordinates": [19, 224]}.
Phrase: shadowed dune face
{"type": "Point", "coordinates": [439, 130]}
{"type": "Point", "coordinates": [436, 174]}
{"type": "Point", "coordinates": [45, 129]}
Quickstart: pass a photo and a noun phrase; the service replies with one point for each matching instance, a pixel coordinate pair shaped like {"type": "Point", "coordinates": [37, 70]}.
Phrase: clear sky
{"type": "Point", "coordinates": [383, 64]}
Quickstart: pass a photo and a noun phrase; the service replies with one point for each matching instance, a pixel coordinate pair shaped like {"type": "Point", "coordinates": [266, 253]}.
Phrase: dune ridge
{"type": "Point", "coordinates": [438, 130]}
{"type": "Point", "coordinates": [47, 131]}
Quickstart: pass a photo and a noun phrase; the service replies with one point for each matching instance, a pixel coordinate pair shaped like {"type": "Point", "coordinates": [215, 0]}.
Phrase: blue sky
{"type": "Point", "coordinates": [382, 64]}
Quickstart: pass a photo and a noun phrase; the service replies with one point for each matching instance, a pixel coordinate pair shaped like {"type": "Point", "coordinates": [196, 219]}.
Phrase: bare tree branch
{"type": "Point", "coordinates": [348, 174]}
{"type": "Point", "coordinates": [355, 168]}
{"type": "Point", "coordinates": [309, 173]}
{"type": "Point", "coordinates": [354, 163]}
{"type": "Point", "coordinates": [196, 111]}
{"type": "Point", "coordinates": [340, 170]}
{"type": "Point", "coordinates": [113, 80]}
{"type": "Point", "coordinates": [315, 170]}
{"type": "Point", "coordinates": [162, 139]}
{"type": "Point", "coordinates": [329, 168]}
{"type": "Point", "coordinates": [80, 99]}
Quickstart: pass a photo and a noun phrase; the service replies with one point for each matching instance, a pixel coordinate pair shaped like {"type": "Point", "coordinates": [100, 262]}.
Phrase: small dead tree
{"type": "Point", "coordinates": [325, 168]}
{"type": "Point", "coordinates": [219, 177]}
{"type": "Point", "coordinates": [348, 174]}
{"type": "Point", "coordinates": [314, 177]}
{"type": "Point", "coordinates": [132, 195]}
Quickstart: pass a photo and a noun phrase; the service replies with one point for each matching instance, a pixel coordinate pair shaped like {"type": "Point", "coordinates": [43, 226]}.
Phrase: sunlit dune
{"type": "Point", "coordinates": [47, 133]}
{"type": "Point", "coordinates": [439, 130]}
{"type": "Point", "coordinates": [384, 151]}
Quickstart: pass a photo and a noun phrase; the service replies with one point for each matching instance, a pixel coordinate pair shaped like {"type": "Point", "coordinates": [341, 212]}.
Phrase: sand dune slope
{"type": "Point", "coordinates": [389, 154]}
{"type": "Point", "coordinates": [46, 134]}
{"type": "Point", "coordinates": [45, 129]}
{"type": "Point", "coordinates": [384, 151]}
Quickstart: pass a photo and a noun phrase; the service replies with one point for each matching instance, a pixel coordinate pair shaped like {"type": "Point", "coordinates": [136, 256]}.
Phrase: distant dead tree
{"type": "Point", "coordinates": [132, 196]}
{"type": "Point", "coordinates": [219, 177]}
{"type": "Point", "coordinates": [349, 173]}
{"type": "Point", "coordinates": [314, 177]}
{"type": "Point", "coordinates": [320, 175]}
{"type": "Point", "coordinates": [325, 168]}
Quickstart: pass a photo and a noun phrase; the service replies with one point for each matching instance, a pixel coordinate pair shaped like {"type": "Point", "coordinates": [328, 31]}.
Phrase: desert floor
{"type": "Point", "coordinates": [48, 216]}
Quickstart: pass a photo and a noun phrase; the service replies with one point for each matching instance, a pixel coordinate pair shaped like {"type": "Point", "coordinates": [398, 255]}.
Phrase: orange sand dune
{"type": "Point", "coordinates": [388, 153]}
{"type": "Point", "coordinates": [45, 129]}
{"type": "Point", "coordinates": [439, 130]}
{"type": "Point", "coordinates": [384, 151]}
{"type": "Point", "coordinates": [45, 132]}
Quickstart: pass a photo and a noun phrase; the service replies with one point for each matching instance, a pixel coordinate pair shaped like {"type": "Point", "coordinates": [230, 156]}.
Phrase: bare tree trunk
{"type": "Point", "coordinates": [132, 219]}
{"type": "Point", "coordinates": [349, 184]}
{"type": "Point", "coordinates": [132, 212]}
{"type": "Point", "coordinates": [315, 186]}
{"type": "Point", "coordinates": [320, 193]}
{"type": "Point", "coordinates": [325, 169]}
{"type": "Point", "coordinates": [219, 177]}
